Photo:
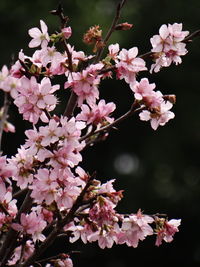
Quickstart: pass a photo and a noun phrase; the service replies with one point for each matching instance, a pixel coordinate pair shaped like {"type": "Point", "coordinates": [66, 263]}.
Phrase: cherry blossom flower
{"type": "Point", "coordinates": [158, 117]}
{"type": "Point", "coordinates": [40, 37]}
{"type": "Point", "coordinates": [45, 186]}
{"type": "Point", "coordinates": [67, 32]}
{"type": "Point", "coordinates": [3, 75]}
{"type": "Point", "coordinates": [142, 89]}
{"type": "Point", "coordinates": [31, 224]}
{"type": "Point", "coordinates": [8, 83]}
{"type": "Point", "coordinates": [6, 169]}
{"type": "Point", "coordinates": [113, 51]}
{"type": "Point", "coordinates": [134, 228]}
{"type": "Point", "coordinates": [28, 249]}
{"type": "Point", "coordinates": [85, 84]}
{"type": "Point", "coordinates": [98, 114]}
{"type": "Point", "coordinates": [128, 64]}
{"type": "Point", "coordinates": [168, 46]}
{"type": "Point", "coordinates": [34, 99]}
{"type": "Point", "coordinates": [23, 162]}
{"type": "Point", "coordinates": [166, 230]}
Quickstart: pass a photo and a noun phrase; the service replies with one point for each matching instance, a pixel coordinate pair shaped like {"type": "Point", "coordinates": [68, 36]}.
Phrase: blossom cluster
{"type": "Point", "coordinates": [168, 46]}
{"type": "Point", "coordinates": [59, 193]}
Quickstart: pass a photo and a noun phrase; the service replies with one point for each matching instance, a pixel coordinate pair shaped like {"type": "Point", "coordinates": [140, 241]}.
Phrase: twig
{"type": "Point", "coordinates": [191, 36]}
{"type": "Point", "coordinates": [111, 29]}
{"type": "Point", "coordinates": [4, 209]}
{"type": "Point", "coordinates": [134, 108]}
{"type": "Point", "coordinates": [20, 192]}
{"type": "Point", "coordinates": [71, 105]}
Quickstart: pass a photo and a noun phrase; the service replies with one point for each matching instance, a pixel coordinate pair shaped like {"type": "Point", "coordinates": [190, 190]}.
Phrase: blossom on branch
{"type": "Point", "coordinates": [168, 46]}
{"type": "Point", "coordinates": [40, 37]}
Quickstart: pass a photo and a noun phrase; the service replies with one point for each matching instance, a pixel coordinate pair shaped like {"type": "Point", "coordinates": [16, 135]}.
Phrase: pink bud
{"type": "Point", "coordinates": [123, 26]}
{"type": "Point", "coordinates": [67, 32]}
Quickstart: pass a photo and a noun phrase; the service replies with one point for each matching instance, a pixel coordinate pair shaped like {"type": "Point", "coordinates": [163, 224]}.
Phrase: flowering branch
{"type": "Point", "coordinates": [134, 108]}
{"type": "Point", "coordinates": [61, 198]}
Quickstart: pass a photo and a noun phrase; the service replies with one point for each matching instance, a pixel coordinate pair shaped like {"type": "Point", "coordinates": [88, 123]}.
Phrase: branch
{"type": "Point", "coordinates": [191, 36]}
{"type": "Point", "coordinates": [111, 29]}
{"type": "Point", "coordinates": [71, 105]}
{"type": "Point", "coordinates": [134, 108]}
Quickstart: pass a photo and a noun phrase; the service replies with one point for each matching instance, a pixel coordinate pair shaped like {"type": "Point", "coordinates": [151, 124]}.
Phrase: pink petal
{"type": "Point", "coordinates": [34, 43]}
{"type": "Point", "coordinates": [43, 26]}
{"type": "Point", "coordinates": [34, 32]}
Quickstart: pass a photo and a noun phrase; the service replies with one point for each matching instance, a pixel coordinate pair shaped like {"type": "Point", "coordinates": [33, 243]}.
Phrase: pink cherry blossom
{"type": "Point", "coordinates": [34, 99]}
{"type": "Point", "coordinates": [67, 32]}
{"type": "Point", "coordinates": [31, 224]}
{"type": "Point", "coordinates": [136, 227]}
{"type": "Point", "coordinates": [142, 89]}
{"type": "Point", "coordinates": [45, 186]}
{"type": "Point", "coordinates": [85, 84]}
{"type": "Point", "coordinates": [113, 51]}
{"type": "Point", "coordinates": [160, 117]}
{"type": "Point", "coordinates": [40, 37]}
{"type": "Point", "coordinates": [98, 114]}
{"type": "Point", "coordinates": [23, 162]}
{"type": "Point", "coordinates": [166, 230]}
{"type": "Point", "coordinates": [168, 46]}
{"type": "Point", "coordinates": [8, 83]}
{"type": "Point", "coordinates": [28, 249]}
{"type": "Point", "coordinates": [128, 64]}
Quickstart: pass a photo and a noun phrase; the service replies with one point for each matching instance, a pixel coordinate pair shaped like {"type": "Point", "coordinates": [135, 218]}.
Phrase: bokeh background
{"type": "Point", "coordinates": [159, 170]}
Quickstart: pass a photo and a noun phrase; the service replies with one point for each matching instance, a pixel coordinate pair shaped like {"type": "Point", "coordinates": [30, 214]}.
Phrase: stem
{"type": "Point", "coordinates": [4, 116]}
{"type": "Point", "coordinates": [111, 29]}
{"type": "Point", "coordinates": [71, 105]}
{"type": "Point", "coordinates": [134, 108]}
{"type": "Point", "coordinates": [191, 36]}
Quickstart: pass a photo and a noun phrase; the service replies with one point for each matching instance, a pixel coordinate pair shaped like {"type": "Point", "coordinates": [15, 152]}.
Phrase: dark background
{"type": "Point", "coordinates": [159, 170]}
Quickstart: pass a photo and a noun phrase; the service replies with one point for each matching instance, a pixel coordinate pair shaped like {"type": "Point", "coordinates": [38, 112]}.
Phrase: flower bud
{"type": "Point", "coordinates": [123, 26]}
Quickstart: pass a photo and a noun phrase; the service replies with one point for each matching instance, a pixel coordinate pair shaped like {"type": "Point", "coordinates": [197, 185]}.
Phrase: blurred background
{"type": "Point", "coordinates": [159, 170]}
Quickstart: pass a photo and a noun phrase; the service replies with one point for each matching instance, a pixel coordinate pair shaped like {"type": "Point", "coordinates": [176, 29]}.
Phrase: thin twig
{"type": "Point", "coordinates": [111, 29]}
{"type": "Point", "coordinates": [191, 36]}
{"type": "Point", "coordinates": [134, 108]}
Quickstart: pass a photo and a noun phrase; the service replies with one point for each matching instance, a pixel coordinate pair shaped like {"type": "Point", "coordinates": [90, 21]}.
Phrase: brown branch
{"type": "Point", "coordinates": [4, 209]}
{"type": "Point", "coordinates": [111, 29]}
{"type": "Point", "coordinates": [71, 105]}
{"type": "Point", "coordinates": [191, 36]}
{"type": "Point", "coordinates": [134, 108]}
